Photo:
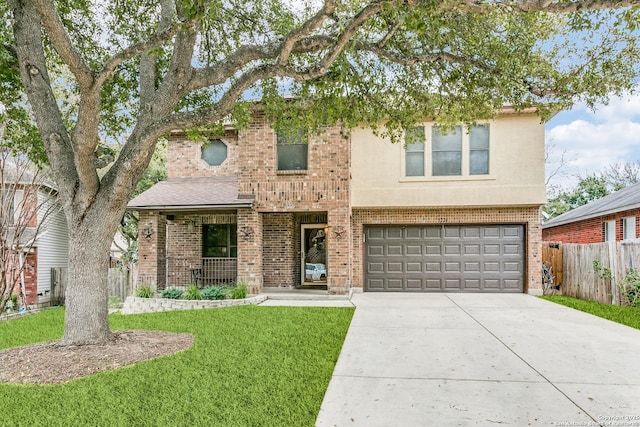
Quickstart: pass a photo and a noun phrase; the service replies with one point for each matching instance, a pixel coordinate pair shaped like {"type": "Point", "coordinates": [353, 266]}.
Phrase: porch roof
{"type": "Point", "coordinates": [179, 194]}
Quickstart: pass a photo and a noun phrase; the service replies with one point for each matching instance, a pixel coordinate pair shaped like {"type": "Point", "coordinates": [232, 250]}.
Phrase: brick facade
{"type": "Point", "coordinates": [589, 230]}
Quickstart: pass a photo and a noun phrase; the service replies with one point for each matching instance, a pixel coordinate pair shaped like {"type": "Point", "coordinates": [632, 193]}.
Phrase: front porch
{"type": "Point", "coordinates": [291, 251]}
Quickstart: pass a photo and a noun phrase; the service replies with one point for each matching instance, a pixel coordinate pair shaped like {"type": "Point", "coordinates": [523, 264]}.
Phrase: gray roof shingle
{"type": "Point", "coordinates": [622, 200]}
{"type": "Point", "coordinates": [192, 193]}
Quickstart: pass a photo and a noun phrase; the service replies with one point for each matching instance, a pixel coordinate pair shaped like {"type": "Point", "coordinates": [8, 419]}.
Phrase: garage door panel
{"type": "Point", "coordinates": [414, 267]}
{"type": "Point", "coordinates": [433, 249]}
{"type": "Point", "coordinates": [433, 233]}
{"type": "Point", "coordinates": [511, 249]}
{"type": "Point", "coordinates": [394, 233]}
{"type": "Point", "coordinates": [452, 249]}
{"type": "Point", "coordinates": [471, 249]}
{"type": "Point", "coordinates": [373, 250]}
{"type": "Point", "coordinates": [415, 284]}
{"type": "Point", "coordinates": [414, 233]}
{"type": "Point", "coordinates": [452, 232]}
{"type": "Point", "coordinates": [491, 249]}
{"type": "Point", "coordinates": [394, 284]}
{"type": "Point", "coordinates": [411, 250]}
{"type": "Point", "coordinates": [454, 258]}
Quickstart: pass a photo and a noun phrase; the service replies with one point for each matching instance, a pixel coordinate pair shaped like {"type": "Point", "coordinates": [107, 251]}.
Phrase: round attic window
{"type": "Point", "coordinates": [214, 152]}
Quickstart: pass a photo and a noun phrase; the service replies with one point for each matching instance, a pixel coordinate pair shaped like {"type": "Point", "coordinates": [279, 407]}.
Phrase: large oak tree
{"type": "Point", "coordinates": [140, 69]}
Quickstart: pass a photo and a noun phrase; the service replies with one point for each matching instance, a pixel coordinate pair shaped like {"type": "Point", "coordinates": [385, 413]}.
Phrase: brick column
{"type": "Point", "coordinates": [339, 251]}
{"type": "Point", "coordinates": [250, 249]}
{"type": "Point", "coordinates": [151, 249]}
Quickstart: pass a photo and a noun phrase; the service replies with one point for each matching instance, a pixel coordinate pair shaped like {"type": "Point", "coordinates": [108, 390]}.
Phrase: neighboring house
{"type": "Point", "coordinates": [612, 218]}
{"type": "Point", "coordinates": [450, 212]}
{"type": "Point", "coordinates": [40, 241]}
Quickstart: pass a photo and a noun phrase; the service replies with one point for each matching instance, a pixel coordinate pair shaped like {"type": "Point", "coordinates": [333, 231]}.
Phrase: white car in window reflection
{"type": "Point", "coordinates": [315, 271]}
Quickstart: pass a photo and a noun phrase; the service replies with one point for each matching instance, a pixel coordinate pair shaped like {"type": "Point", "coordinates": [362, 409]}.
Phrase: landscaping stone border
{"type": "Point", "coordinates": [136, 305]}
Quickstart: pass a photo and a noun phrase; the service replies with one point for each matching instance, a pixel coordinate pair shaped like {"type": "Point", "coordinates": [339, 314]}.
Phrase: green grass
{"type": "Point", "coordinates": [249, 366]}
{"type": "Point", "coordinates": [629, 316]}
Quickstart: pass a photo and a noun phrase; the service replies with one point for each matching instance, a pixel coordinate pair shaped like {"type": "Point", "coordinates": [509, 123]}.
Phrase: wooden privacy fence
{"type": "Point", "coordinates": [121, 283]}
{"type": "Point", "coordinates": [580, 279]}
{"type": "Point", "coordinates": [552, 253]}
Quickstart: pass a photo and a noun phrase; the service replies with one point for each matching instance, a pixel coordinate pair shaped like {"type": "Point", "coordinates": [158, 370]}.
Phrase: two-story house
{"type": "Point", "coordinates": [451, 211]}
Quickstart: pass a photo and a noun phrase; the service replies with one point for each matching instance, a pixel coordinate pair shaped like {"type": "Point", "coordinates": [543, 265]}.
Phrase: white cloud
{"type": "Point", "coordinates": [610, 136]}
{"type": "Point", "coordinates": [624, 108]}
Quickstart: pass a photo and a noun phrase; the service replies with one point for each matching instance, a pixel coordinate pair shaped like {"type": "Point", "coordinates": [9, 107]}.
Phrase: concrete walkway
{"type": "Point", "coordinates": [477, 359]}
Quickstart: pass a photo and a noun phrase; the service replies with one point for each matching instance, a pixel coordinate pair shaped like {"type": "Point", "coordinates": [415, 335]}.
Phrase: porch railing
{"type": "Point", "coordinates": [202, 271]}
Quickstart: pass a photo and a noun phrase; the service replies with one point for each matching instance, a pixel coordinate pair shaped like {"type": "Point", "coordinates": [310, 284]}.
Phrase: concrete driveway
{"type": "Point", "coordinates": [478, 359]}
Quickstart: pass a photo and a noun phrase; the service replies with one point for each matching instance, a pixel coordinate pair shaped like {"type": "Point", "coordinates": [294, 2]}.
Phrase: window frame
{"type": "Point", "coordinates": [417, 151]}
{"type": "Point", "coordinates": [465, 168]}
{"type": "Point", "coordinates": [609, 230]}
{"type": "Point", "coordinates": [302, 139]}
{"type": "Point", "coordinates": [210, 145]}
{"type": "Point", "coordinates": [629, 225]}
{"type": "Point", "coordinates": [230, 248]}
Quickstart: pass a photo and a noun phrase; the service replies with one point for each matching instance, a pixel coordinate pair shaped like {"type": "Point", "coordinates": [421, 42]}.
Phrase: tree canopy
{"type": "Point", "coordinates": [94, 72]}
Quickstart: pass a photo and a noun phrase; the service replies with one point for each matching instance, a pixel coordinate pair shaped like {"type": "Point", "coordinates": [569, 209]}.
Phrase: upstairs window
{"type": "Point", "coordinates": [455, 152]}
{"type": "Point", "coordinates": [446, 152]}
{"type": "Point", "coordinates": [479, 150]}
{"type": "Point", "coordinates": [219, 241]}
{"type": "Point", "coordinates": [292, 149]}
{"type": "Point", "coordinates": [214, 153]}
{"type": "Point", "coordinates": [414, 159]}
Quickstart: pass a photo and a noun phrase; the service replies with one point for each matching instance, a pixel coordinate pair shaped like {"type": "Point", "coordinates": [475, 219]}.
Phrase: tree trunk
{"type": "Point", "coordinates": [86, 295]}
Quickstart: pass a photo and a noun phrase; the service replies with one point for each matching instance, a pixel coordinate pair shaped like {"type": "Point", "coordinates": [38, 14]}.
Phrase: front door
{"type": "Point", "coordinates": [314, 254]}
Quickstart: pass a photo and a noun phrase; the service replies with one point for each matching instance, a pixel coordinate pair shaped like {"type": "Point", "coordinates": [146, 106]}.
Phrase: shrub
{"type": "Point", "coordinates": [192, 292]}
{"type": "Point", "coordinates": [145, 291]}
{"type": "Point", "coordinates": [171, 293]}
{"type": "Point", "coordinates": [239, 291]}
{"type": "Point", "coordinates": [630, 286]}
{"type": "Point", "coordinates": [215, 292]}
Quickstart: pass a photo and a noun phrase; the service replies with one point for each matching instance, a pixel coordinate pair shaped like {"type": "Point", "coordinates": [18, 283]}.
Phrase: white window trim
{"type": "Point", "coordinates": [625, 221]}
{"type": "Point", "coordinates": [465, 176]}
{"type": "Point", "coordinates": [610, 230]}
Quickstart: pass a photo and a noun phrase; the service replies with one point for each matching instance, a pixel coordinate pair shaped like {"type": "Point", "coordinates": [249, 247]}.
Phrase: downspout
{"type": "Point", "coordinates": [23, 290]}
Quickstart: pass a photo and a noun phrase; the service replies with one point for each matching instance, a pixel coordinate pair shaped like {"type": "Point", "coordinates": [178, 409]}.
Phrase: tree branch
{"type": "Point", "coordinates": [35, 78]}
{"type": "Point", "coordinates": [551, 6]}
{"type": "Point", "coordinates": [60, 40]}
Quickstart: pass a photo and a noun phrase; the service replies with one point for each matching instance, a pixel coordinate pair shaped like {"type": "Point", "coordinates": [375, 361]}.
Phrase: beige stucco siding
{"type": "Point", "coordinates": [516, 170]}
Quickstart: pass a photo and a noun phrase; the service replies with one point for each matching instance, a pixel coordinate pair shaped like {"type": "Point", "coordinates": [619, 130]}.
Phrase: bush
{"type": "Point", "coordinates": [145, 292]}
{"type": "Point", "coordinates": [192, 292]}
{"type": "Point", "coordinates": [215, 292]}
{"type": "Point", "coordinates": [171, 293]}
{"type": "Point", "coordinates": [630, 286]}
{"type": "Point", "coordinates": [239, 291]}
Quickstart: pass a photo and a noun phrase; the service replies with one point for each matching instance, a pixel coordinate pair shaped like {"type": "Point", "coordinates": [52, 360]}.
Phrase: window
{"type": "Point", "coordinates": [609, 231]}
{"type": "Point", "coordinates": [292, 150]}
{"type": "Point", "coordinates": [214, 153]}
{"type": "Point", "coordinates": [629, 228]}
{"type": "Point", "coordinates": [12, 201]}
{"type": "Point", "coordinates": [414, 160]}
{"type": "Point", "coordinates": [220, 240]}
{"type": "Point", "coordinates": [446, 152]}
{"type": "Point", "coordinates": [456, 152]}
{"type": "Point", "coordinates": [479, 150]}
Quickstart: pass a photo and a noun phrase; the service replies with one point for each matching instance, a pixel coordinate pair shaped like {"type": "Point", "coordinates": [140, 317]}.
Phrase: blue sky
{"type": "Point", "coordinates": [592, 140]}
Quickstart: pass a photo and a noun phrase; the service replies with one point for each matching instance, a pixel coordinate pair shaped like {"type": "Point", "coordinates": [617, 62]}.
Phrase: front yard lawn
{"type": "Point", "coordinates": [248, 366]}
{"type": "Point", "coordinates": [629, 316]}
